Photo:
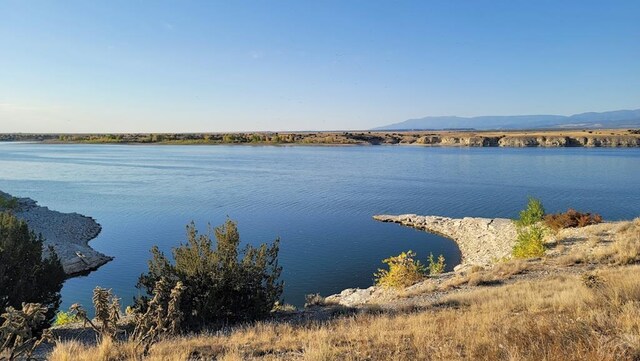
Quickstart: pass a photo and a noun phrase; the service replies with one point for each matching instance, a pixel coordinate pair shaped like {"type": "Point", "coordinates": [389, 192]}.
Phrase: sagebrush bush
{"type": "Point", "coordinates": [529, 242]}
{"type": "Point", "coordinates": [436, 267]}
{"type": "Point", "coordinates": [223, 284]}
{"type": "Point", "coordinates": [404, 271]}
{"type": "Point", "coordinates": [571, 218]}
{"type": "Point", "coordinates": [533, 214]}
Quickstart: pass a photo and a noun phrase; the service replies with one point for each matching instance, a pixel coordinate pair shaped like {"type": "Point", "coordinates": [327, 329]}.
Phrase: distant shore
{"type": "Point", "coordinates": [619, 138]}
{"type": "Point", "coordinates": [68, 234]}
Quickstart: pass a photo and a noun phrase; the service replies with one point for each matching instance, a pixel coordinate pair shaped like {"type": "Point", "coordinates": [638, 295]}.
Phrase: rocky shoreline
{"type": "Point", "coordinates": [68, 234]}
{"type": "Point", "coordinates": [482, 241]}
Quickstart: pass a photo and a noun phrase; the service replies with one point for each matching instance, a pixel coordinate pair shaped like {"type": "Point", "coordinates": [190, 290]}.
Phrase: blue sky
{"type": "Point", "coordinates": [164, 66]}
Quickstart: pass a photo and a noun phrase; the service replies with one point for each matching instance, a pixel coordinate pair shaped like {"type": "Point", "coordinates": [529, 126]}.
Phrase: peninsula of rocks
{"type": "Point", "coordinates": [68, 234]}
{"type": "Point", "coordinates": [481, 241]}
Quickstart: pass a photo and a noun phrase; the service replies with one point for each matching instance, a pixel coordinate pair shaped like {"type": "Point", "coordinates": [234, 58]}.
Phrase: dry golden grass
{"type": "Point", "coordinates": [559, 318]}
{"type": "Point", "coordinates": [426, 286]}
{"type": "Point", "coordinates": [625, 249]}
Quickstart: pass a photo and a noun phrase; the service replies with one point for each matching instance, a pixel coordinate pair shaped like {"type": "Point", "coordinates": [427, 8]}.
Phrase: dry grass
{"type": "Point", "coordinates": [607, 243]}
{"type": "Point", "coordinates": [559, 318]}
{"type": "Point", "coordinates": [478, 276]}
{"type": "Point", "coordinates": [426, 286]}
{"type": "Point", "coordinates": [626, 247]}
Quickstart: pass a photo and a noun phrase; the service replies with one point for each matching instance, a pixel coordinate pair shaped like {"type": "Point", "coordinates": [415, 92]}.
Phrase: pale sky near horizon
{"type": "Point", "coordinates": [182, 66]}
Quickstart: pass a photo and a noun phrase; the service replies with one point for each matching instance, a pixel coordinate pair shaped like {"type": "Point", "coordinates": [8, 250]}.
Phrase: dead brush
{"type": "Point", "coordinates": [162, 317]}
{"type": "Point", "coordinates": [107, 313]}
{"type": "Point", "coordinates": [570, 219]}
{"type": "Point", "coordinates": [313, 299]}
{"type": "Point", "coordinates": [17, 331]}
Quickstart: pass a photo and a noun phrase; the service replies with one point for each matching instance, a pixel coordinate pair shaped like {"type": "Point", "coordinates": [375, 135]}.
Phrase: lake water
{"type": "Point", "coordinates": [318, 200]}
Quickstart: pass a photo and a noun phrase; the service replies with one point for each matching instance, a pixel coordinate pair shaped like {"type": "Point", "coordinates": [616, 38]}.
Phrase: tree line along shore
{"type": "Point", "coordinates": [464, 138]}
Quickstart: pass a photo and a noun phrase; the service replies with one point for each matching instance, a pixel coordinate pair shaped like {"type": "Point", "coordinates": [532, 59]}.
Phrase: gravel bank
{"type": "Point", "coordinates": [68, 233]}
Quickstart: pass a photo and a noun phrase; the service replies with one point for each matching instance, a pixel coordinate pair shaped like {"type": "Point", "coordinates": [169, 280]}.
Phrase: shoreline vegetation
{"type": "Point", "coordinates": [460, 138]}
{"type": "Point", "coordinates": [68, 233]}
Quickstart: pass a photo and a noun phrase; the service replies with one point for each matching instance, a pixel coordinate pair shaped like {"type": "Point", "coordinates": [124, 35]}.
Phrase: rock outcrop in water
{"type": "Point", "coordinates": [480, 240]}
{"type": "Point", "coordinates": [68, 233]}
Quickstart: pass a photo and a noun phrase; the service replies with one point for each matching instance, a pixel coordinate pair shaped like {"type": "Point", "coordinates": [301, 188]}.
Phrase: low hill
{"type": "Point", "coordinates": [611, 119]}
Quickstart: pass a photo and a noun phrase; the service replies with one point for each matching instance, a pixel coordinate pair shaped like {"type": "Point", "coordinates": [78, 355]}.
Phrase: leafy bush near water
{"type": "Point", "coordinates": [531, 215]}
{"type": "Point", "coordinates": [529, 242]}
{"type": "Point", "coordinates": [530, 236]}
{"type": "Point", "coordinates": [223, 284]}
{"type": "Point", "coordinates": [436, 267]}
{"type": "Point", "coordinates": [404, 271]}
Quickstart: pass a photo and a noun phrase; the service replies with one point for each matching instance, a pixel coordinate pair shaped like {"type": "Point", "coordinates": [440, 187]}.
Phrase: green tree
{"type": "Point", "coordinates": [25, 275]}
{"type": "Point", "coordinates": [533, 214]}
{"type": "Point", "coordinates": [530, 235]}
{"type": "Point", "coordinates": [223, 284]}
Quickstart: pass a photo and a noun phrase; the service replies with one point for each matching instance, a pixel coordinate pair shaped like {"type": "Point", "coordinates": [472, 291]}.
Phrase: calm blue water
{"type": "Point", "coordinates": [318, 200]}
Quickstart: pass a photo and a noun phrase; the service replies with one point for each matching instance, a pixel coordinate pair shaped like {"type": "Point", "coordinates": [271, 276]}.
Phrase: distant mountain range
{"type": "Point", "coordinates": [612, 119]}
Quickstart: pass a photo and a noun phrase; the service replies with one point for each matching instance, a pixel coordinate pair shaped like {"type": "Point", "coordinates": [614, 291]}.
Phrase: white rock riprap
{"type": "Point", "coordinates": [68, 233]}
{"type": "Point", "coordinates": [481, 240]}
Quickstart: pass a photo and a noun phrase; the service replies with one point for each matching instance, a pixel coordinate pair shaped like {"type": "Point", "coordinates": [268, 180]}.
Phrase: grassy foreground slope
{"type": "Point", "coordinates": [581, 301]}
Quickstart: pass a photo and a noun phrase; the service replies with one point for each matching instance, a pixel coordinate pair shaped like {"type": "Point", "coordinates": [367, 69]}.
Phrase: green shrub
{"type": "Point", "coordinates": [65, 318]}
{"type": "Point", "coordinates": [436, 267]}
{"type": "Point", "coordinates": [404, 271]}
{"type": "Point", "coordinates": [222, 283]}
{"type": "Point", "coordinates": [533, 214]}
{"type": "Point", "coordinates": [25, 275]}
{"type": "Point", "coordinates": [529, 242]}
